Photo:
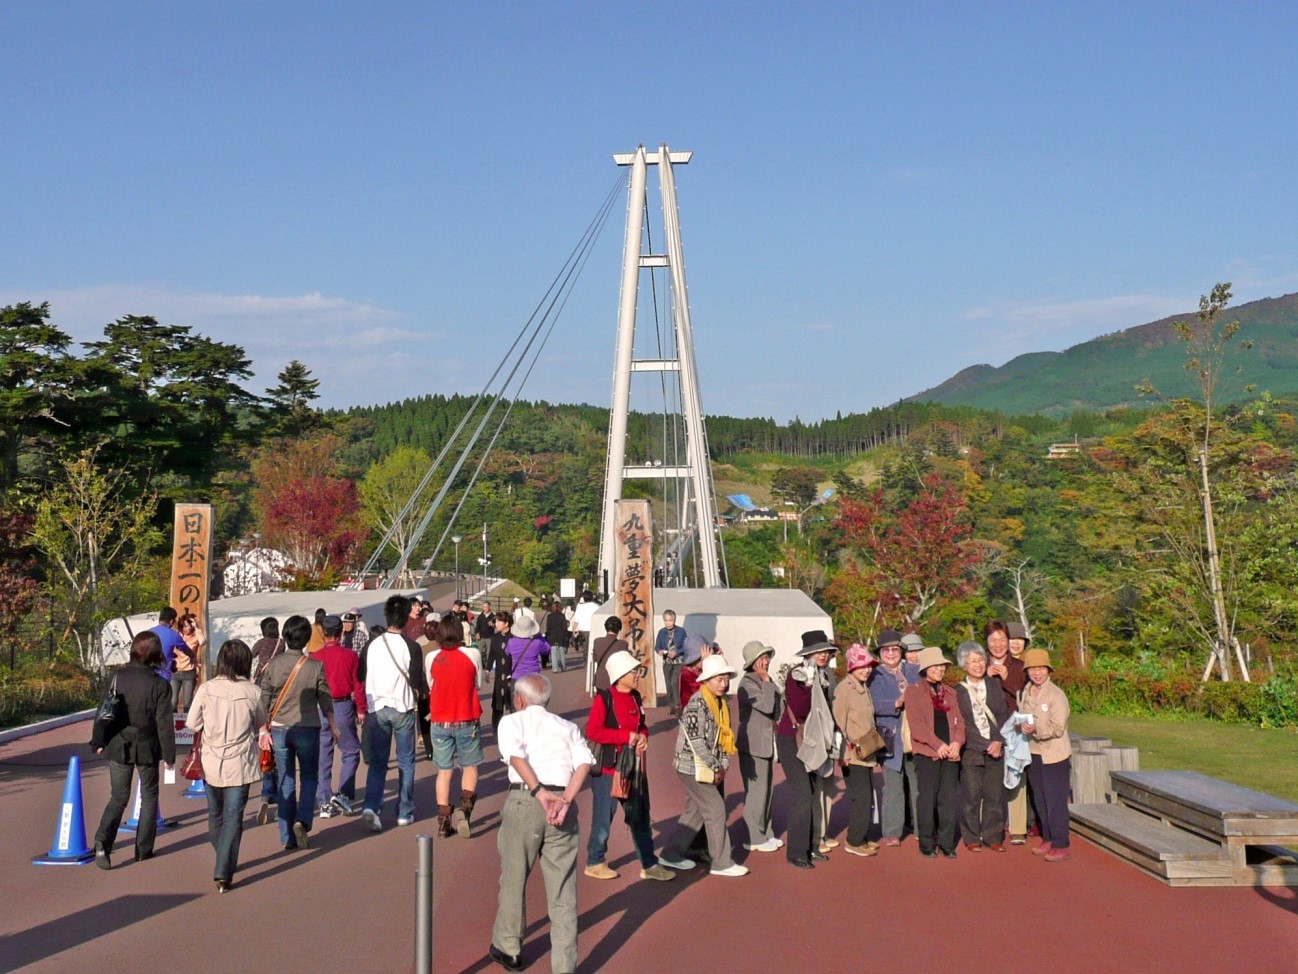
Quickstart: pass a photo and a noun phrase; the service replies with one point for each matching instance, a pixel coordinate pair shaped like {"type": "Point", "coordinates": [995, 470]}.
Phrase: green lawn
{"type": "Point", "coordinates": [1265, 760]}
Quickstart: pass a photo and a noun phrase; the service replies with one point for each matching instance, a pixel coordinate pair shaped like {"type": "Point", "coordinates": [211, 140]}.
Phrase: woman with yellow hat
{"type": "Point", "coordinates": [1051, 751]}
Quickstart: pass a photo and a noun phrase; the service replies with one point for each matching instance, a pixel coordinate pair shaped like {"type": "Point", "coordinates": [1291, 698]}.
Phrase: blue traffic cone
{"type": "Point", "coordinates": [133, 823]}
{"type": "Point", "coordinates": [70, 847]}
{"type": "Point", "coordinates": [197, 789]}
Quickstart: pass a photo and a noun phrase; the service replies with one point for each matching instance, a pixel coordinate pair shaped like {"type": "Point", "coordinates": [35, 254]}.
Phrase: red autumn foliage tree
{"type": "Point", "coordinates": [903, 563]}
{"type": "Point", "coordinates": [18, 589]}
{"type": "Point", "coordinates": [312, 517]}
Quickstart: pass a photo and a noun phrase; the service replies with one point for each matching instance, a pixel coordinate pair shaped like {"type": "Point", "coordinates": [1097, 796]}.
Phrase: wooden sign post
{"type": "Point", "coordinates": [632, 585]}
{"type": "Point", "coordinates": [191, 568]}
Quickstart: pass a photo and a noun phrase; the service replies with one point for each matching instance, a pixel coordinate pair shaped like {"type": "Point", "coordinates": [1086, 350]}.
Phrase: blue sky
{"type": "Point", "coordinates": [881, 194]}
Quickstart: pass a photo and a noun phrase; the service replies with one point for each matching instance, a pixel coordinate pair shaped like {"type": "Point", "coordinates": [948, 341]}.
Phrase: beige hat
{"type": "Point", "coordinates": [619, 664]}
{"type": "Point", "coordinates": [755, 650]}
{"type": "Point", "coordinates": [715, 666]}
{"type": "Point", "coordinates": [1036, 657]}
{"type": "Point", "coordinates": [525, 625]}
{"type": "Point", "coordinates": [931, 656]}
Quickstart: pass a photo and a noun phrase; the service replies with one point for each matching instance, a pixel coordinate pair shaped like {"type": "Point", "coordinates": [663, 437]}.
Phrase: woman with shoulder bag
{"type": "Point", "coordinates": [854, 715]}
{"type": "Point", "coordinates": [228, 712]}
{"type": "Point", "coordinates": [704, 746]}
{"type": "Point", "coordinates": [148, 738]}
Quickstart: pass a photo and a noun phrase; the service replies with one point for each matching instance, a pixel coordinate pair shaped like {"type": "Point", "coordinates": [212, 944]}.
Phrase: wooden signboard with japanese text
{"type": "Point", "coordinates": [191, 567]}
{"type": "Point", "coordinates": [633, 572]}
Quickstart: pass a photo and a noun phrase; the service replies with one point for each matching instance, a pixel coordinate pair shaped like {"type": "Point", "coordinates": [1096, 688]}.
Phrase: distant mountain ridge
{"type": "Point", "coordinates": [1103, 373]}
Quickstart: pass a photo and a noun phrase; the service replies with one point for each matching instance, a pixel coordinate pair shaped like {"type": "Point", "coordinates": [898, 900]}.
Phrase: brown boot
{"type": "Point", "coordinates": [461, 816]}
{"type": "Point", "coordinates": [444, 829]}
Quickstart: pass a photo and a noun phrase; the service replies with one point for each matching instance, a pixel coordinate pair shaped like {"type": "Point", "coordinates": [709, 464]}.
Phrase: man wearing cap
{"type": "Point", "coordinates": [669, 644]}
{"type": "Point", "coordinates": [888, 682]}
{"type": "Point", "coordinates": [548, 762]}
{"type": "Point", "coordinates": [341, 667]}
{"type": "Point", "coordinates": [617, 721]}
{"type": "Point", "coordinates": [759, 712]}
{"type": "Point", "coordinates": [355, 635]}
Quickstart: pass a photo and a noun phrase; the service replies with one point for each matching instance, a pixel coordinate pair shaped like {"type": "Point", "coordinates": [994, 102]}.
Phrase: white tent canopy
{"type": "Point", "coordinates": [732, 617]}
{"type": "Point", "coordinates": [240, 617]}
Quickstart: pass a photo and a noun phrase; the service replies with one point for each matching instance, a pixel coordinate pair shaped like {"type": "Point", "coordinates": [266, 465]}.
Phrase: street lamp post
{"type": "Point", "coordinates": [455, 540]}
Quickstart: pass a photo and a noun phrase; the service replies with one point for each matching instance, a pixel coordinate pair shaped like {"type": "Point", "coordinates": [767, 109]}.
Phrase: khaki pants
{"type": "Point", "coordinates": [1017, 799]}
{"type": "Point", "coordinates": [524, 837]}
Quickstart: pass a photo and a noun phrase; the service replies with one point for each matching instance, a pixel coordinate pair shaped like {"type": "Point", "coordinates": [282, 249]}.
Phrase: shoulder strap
{"type": "Point", "coordinates": [284, 692]}
{"type": "Point", "coordinates": [392, 656]}
{"type": "Point", "coordinates": [610, 716]}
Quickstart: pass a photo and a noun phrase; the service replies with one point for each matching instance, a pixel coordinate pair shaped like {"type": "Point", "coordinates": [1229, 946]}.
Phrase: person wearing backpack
{"type": "Point", "coordinates": [616, 722]}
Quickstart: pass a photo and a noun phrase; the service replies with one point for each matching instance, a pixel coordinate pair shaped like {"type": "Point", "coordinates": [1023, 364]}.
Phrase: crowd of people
{"type": "Point", "coordinates": [982, 761]}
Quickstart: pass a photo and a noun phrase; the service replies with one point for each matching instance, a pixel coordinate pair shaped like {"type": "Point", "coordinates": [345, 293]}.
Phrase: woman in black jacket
{"type": "Point", "coordinates": [982, 760]}
{"type": "Point", "coordinates": [149, 737]}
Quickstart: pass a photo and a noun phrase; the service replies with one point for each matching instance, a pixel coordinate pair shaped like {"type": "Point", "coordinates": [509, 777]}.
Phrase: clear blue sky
{"type": "Point", "coordinates": [881, 193]}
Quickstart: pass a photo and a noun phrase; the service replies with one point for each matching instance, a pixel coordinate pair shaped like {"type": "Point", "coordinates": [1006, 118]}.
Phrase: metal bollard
{"type": "Point", "coordinates": [424, 906]}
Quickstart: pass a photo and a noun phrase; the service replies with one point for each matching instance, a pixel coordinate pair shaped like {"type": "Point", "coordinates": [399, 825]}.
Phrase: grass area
{"type": "Point", "coordinates": [1264, 760]}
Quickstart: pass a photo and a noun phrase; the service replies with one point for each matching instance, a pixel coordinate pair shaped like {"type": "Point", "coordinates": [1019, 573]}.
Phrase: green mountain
{"type": "Point", "coordinates": [1104, 372]}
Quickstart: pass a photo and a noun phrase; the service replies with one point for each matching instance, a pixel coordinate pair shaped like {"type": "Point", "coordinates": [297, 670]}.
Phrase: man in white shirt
{"type": "Point", "coordinates": [548, 762]}
{"type": "Point", "coordinates": [392, 669]}
{"type": "Point", "coordinates": [582, 616]}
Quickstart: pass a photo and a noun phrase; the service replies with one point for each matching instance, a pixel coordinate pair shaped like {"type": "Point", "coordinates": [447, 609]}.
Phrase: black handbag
{"type": "Point", "coordinates": [111, 717]}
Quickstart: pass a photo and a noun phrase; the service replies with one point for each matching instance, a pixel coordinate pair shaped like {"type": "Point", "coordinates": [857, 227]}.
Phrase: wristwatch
{"type": "Point", "coordinates": [535, 790]}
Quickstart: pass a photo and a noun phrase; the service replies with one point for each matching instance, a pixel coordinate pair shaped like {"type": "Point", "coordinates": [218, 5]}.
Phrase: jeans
{"type": "Point", "coordinates": [1049, 789]}
{"type": "Point", "coordinates": [349, 745]}
{"type": "Point", "coordinates": [297, 749]}
{"type": "Point", "coordinates": [225, 826]}
{"type": "Point", "coordinates": [636, 813]}
{"type": "Point", "coordinates": [939, 784]}
{"type": "Point", "coordinates": [896, 785]}
{"type": "Point", "coordinates": [119, 776]}
{"type": "Point", "coordinates": [380, 729]}
{"type": "Point", "coordinates": [560, 656]}
{"type": "Point", "coordinates": [182, 690]}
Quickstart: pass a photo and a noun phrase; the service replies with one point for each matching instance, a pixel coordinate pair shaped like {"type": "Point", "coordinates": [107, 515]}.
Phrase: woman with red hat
{"type": "Point", "coordinates": [854, 715]}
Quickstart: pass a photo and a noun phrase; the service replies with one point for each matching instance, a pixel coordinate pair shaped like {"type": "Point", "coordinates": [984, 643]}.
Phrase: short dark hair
{"type": "Point", "coordinates": [396, 610]}
{"type": "Point", "coordinates": [995, 626]}
{"type": "Point", "coordinates": [167, 616]}
{"type": "Point", "coordinates": [297, 632]}
{"type": "Point", "coordinates": [320, 617]}
{"type": "Point", "coordinates": [588, 596]}
{"type": "Point", "coordinates": [506, 617]}
{"type": "Point", "coordinates": [376, 631]}
{"type": "Point", "coordinates": [450, 632]}
{"type": "Point", "coordinates": [270, 627]}
{"type": "Point", "coordinates": [146, 647]}
{"type": "Point", "coordinates": [332, 628]}
{"type": "Point", "coordinates": [527, 602]}
{"type": "Point", "coordinates": [612, 624]}
{"type": "Point", "coordinates": [234, 661]}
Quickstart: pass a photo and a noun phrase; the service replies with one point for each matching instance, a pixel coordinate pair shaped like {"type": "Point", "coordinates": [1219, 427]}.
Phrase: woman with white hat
{"type": "Point", "coordinates": [1051, 754]}
{"type": "Point", "coordinates": [617, 721]}
{"type": "Point", "coordinates": [704, 747]}
{"type": "Point", "coordinates": [526, 646]}
{"type": "Point", "coordinates": [759, 710]}
{"type": "Point", "coordinates": [937, 734]}
{"type": "Point", "coordinates": [854, 714]}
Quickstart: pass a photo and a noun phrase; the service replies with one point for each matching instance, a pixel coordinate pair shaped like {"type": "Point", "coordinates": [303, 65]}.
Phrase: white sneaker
{"type": "Point", "coordinates": [770, 845]}
{"type": "Point", "coordinates": [671, 863]}
{"type": "Point", "coordinates": [405, 821]}
{"type": "Point", "coordinates": [372, 821]}
{"type": "Point", "coordinates": [732, 870]}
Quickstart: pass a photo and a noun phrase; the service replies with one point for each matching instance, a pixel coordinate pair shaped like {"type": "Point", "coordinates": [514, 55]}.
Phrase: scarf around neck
{"type": "Point", "coordinates": [721, 714]}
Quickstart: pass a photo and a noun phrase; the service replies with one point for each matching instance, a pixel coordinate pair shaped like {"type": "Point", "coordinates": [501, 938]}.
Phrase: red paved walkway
{"type": "Point", "coordinates": [346, 904]}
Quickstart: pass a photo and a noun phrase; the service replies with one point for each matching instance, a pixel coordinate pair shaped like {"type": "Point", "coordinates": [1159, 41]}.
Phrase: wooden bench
{"type": "Point", "coordinates": [1248, 826]}
{"type": "Point", "coordinates": [1177, 857]}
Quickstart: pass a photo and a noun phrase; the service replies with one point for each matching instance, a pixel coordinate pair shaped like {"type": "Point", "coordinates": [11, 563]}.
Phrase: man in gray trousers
{"type": "Point", "coordinates": [548, 762]}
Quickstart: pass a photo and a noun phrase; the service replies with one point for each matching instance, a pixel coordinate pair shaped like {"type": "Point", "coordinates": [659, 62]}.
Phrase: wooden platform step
{"type": "Point", "coordinates": [1173, 855]}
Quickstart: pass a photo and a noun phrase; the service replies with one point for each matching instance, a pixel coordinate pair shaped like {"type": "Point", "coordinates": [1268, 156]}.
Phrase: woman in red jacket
{"type": "Point", "coordinates": [937, 734]}
{"type": "Point", "coordinates": [617, 721]}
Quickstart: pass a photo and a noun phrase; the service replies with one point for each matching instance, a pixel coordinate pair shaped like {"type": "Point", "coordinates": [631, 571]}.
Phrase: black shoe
{"type": "Point", "coordinates": [802, 863]}
{"type": "Point", "coordinates": [101, 858]}
{"type": "Point", "coordinates": [816, 856]}
{"type": "Point", "coordinates": [949, 853]}
{"type": "Point", "coordinates": [928, 854]}
{"type": "Point", "coordinates": [510, 962]}
{"type": "Point", "coordinates": [223, 885]}
{"type": "Point", "coordinates": [141, 858]}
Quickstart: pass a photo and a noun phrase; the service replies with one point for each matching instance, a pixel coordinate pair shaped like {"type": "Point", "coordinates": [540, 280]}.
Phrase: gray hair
{"type": "Point", "coordinates": [966, 649]}
{"type": "Point", "coordinates": [535, 690]}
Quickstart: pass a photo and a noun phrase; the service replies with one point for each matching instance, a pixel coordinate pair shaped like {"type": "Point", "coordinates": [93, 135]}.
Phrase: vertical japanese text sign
{"type": "Point", "coordinates": [633, 570]}
{"type": "Point", "coordinates": [191, 558]}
